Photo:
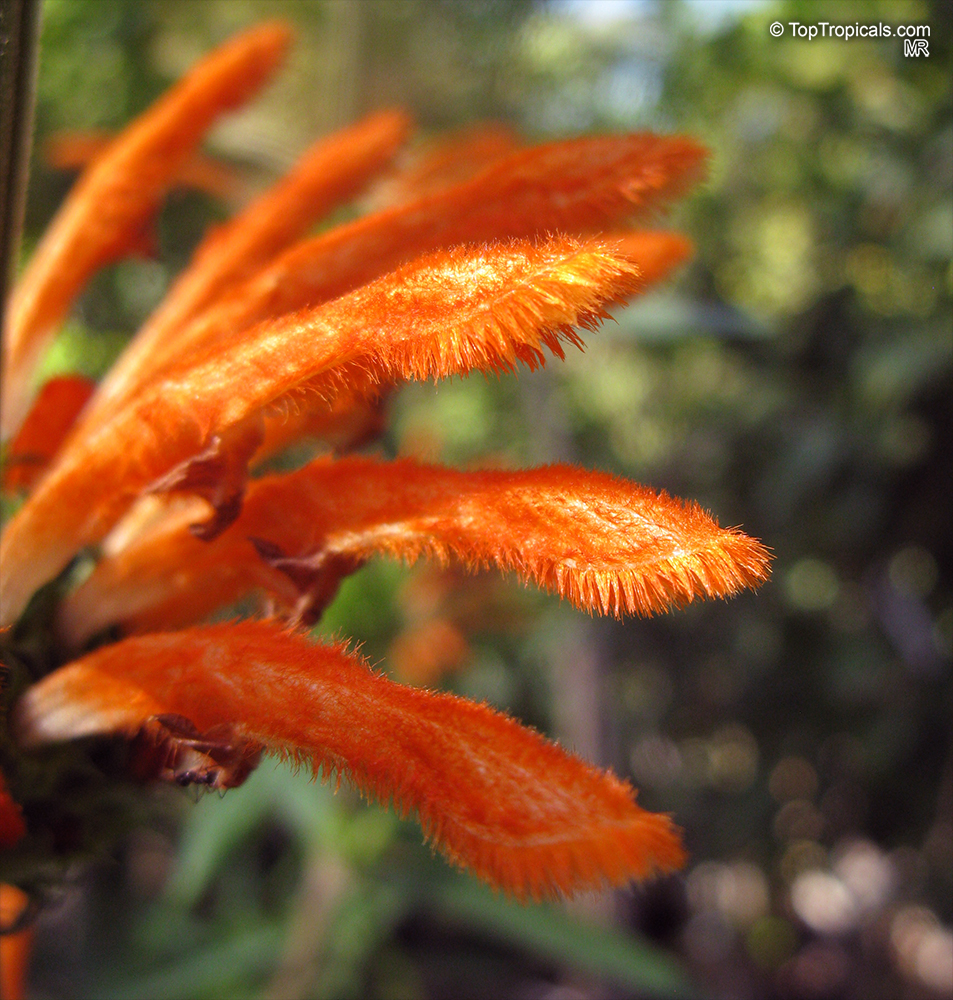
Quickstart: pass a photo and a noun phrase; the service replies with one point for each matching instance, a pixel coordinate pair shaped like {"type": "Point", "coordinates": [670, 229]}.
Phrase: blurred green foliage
{"type": "Point", "coordinates": [796, 379]}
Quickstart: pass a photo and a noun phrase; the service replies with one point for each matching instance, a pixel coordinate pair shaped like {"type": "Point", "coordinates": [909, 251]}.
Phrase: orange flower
{"type": "Point", "coordinates": [15, 945]}
{"type": "Point", "coordinates": [59, 403]}
{"type": "Point", "coordinates": [77, 150]}
{"type": "Point", "coordinates": [112, 202]}
{"type": "Point", "coordinates": [489, 256]}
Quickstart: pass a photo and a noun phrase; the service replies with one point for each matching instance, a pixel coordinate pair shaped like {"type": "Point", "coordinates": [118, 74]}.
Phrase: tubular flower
{"type": "Point", "coordinates": [110, 205]}
{"type": "Point", "coordinates": [483, 256]}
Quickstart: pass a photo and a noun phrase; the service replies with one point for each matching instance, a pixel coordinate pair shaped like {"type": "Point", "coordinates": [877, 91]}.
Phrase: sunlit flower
{"type": "Point", "coordinates": [486, 256]}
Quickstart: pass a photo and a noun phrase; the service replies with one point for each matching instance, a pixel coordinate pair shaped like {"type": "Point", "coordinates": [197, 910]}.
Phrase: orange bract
{"type": "Point", "coordinates": [461, 767]}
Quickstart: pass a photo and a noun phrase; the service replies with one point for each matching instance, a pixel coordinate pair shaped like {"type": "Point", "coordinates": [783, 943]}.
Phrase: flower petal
{"type": "Point", "coordinates": [76, 150]}
{"type": "Point", "coordinates": [577, 186]}
{"type": "Point", "coordinates": [46, 426]}
{"type": "Point", "coordinates": [656, 254]}
{"type": "Point", "coordinates": [348, 422]}
{"type": "Point", "coordinates": [109, 206]}
{"type": "Point", "coordinates": [447, 161]}
{"type": "Point", "coordinates": [451, 313]}
{"type": "Point", "coordinates": [605, 544]}
{"type": "Point", "coordinates": [330, 171]}
{"type": "Point", "coordinates": [495, 797]}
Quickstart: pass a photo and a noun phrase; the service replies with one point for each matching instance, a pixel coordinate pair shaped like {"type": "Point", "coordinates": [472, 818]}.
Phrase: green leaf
{"type": "Point", "coordinates": [219, 969]}
{"type": "Point", "coordinates": [555, 935]}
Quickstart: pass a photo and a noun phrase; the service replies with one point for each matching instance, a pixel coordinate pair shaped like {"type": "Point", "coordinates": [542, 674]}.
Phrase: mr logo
{"type": "Point", "coordinates": [916, 47]}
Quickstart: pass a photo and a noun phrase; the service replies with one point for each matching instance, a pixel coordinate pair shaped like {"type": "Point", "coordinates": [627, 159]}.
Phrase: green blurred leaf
{"type": "Point", "coordinates": [365, 919]}
{"type": "Point", "coordinates": [553, 934]}
{"type": "Point", "coordinates": [225, 967]}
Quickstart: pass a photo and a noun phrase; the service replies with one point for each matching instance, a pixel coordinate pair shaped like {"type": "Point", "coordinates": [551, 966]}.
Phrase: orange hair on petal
{"type": "Point", "coordinates": [494, 797]}
{"type": "Point", "coordinates": [107, 209]}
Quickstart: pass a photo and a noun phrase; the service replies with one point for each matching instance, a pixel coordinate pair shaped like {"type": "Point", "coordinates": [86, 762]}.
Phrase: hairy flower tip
{"type": "Point", "coordinates": [602, 179]}
{"type": "Point", "coordinates": [455, 311]}
{"type": "Point", "coordinates": [448, 313]}
{"type": "Point", "coordinates": [106, 211]}
{"type": "Point", "coordinates": [488, 308]}
{"type": "Point", "coordinates": [493, 796]}
{"type": "Point", "coordinates": [579, 186]}
{"type": "Point", "coordinates": [605, 544]}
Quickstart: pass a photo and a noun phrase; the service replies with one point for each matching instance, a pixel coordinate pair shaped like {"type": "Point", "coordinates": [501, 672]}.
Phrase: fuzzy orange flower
{"type": "Point", "coordinates": [485, 256]}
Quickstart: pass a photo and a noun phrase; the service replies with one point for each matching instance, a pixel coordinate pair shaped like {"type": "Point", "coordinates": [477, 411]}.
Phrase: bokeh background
{"type": "Point", "coordinates": [795, 378]}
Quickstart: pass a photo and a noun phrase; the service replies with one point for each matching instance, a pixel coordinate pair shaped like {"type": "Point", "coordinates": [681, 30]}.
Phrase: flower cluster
{"type": "Point", "coordinates": [485, 256]}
